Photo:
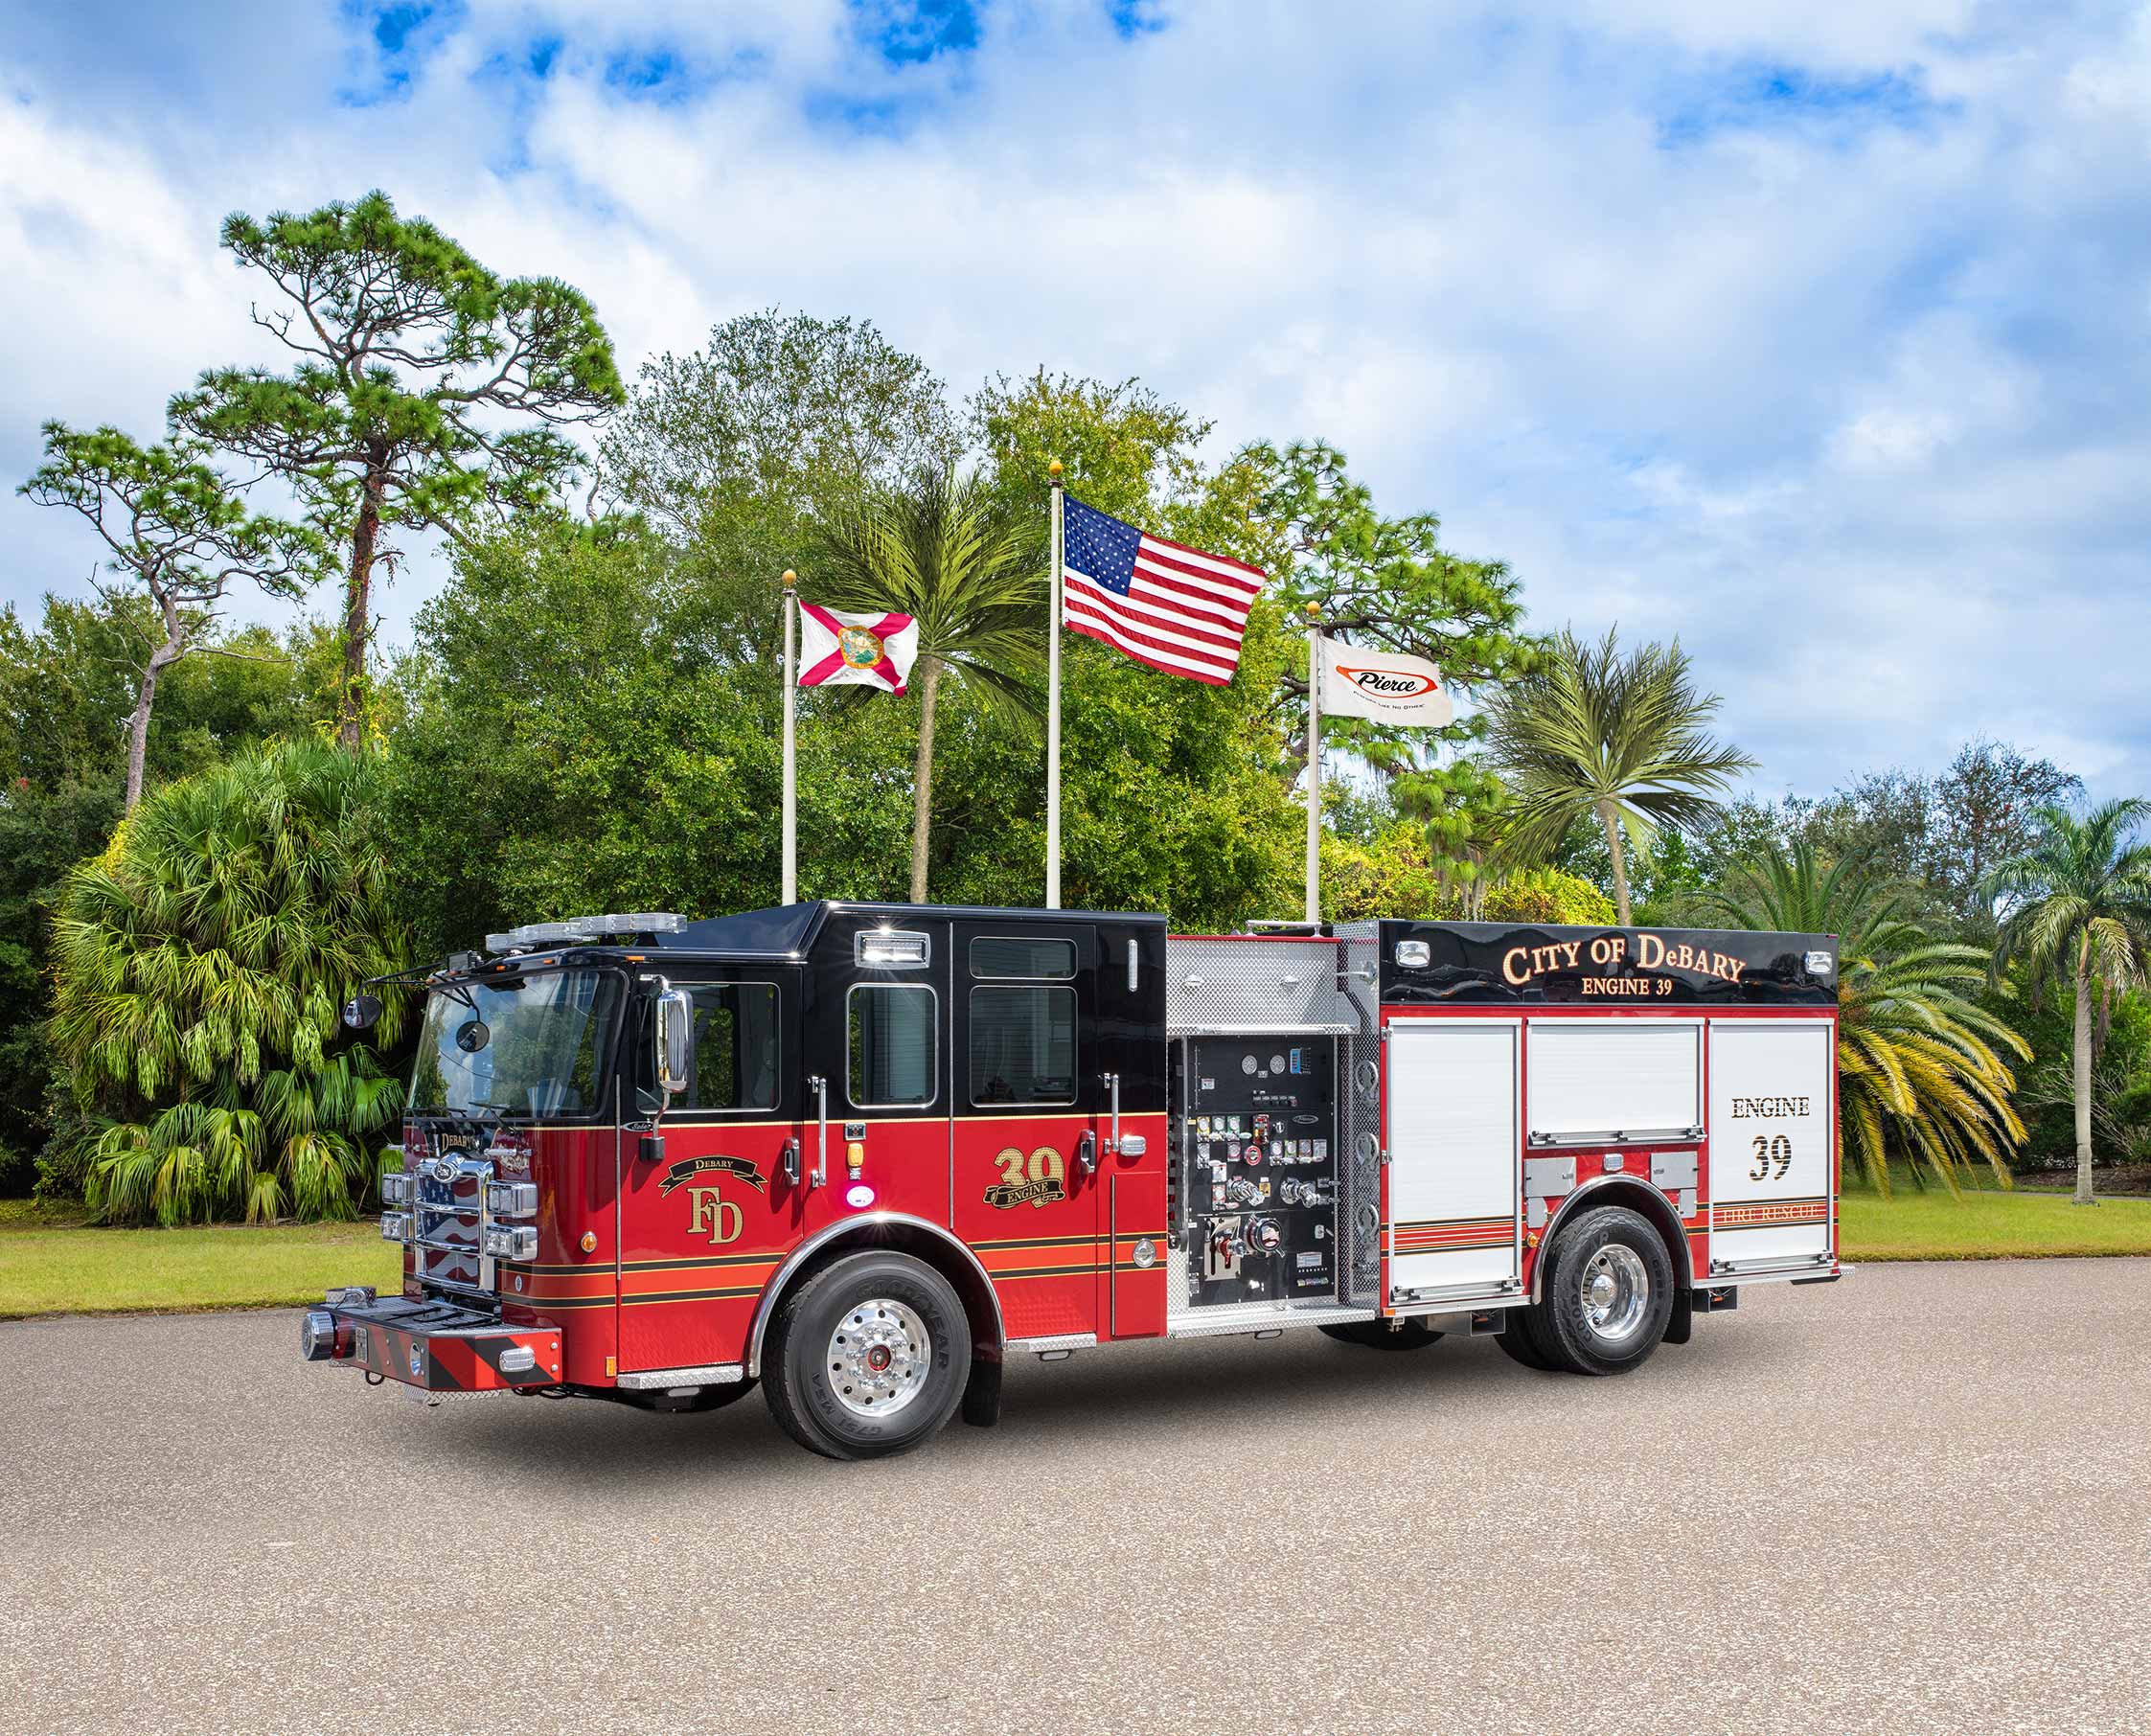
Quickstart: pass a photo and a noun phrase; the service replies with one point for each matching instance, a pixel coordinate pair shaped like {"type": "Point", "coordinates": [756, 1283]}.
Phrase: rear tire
{"type": "Point", "coordinates": [867, 1357]}
{"type": "Point", "coordinates": [1607, 1294]}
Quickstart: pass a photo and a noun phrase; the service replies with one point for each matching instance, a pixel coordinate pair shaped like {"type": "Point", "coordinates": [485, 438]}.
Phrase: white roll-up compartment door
{"type": "Point", "coordinates": [1772, 1153]}
{"type": "Point", "coordinates": [1455, 1158]}
{"type": "Point", "coordinates": [1614, 1078]}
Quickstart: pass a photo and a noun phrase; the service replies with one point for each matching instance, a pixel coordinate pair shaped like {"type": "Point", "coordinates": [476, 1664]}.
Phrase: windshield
{"type": "Point", "coordinates": [518, 1046]}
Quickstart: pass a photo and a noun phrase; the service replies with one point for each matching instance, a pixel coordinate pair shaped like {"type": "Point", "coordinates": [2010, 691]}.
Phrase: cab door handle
{"type": "Point", "coordinates": [789, 1161]}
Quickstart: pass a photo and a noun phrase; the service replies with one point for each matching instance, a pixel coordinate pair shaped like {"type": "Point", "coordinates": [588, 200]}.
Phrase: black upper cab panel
{"type": "Point", "coordinates": [1499, 963]}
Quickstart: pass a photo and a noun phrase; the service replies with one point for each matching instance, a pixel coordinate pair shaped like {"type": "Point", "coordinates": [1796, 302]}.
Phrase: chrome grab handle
{"type": "Point", "coordinates": [1113, 1139]}
{"type": "Point", "coordinates": [820, 1088]}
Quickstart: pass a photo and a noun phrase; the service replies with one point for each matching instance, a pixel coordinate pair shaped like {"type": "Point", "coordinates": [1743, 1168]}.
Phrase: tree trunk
{"type": "Point", "coordinates": [2084, 1084]}
{"type": "Point", "coordinates": [921, 778]}
{"type": "Point", "coordinates": [358, 593]}
{"type": "Point", "coordinates": [1607, 817]}
{"type": "Point", "coordinates": [145, 696]}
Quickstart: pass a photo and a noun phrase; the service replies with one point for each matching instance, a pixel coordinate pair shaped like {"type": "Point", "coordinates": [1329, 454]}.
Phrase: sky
{"type": "Point", "coordinates": [1817, 334]}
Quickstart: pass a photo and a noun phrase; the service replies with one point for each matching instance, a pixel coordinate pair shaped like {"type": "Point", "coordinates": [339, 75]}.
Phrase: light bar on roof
{"type": "Point", "coordinates": [585, 928]}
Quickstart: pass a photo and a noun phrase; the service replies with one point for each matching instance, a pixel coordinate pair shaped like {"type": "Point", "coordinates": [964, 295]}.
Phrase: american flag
{"type": "Point", "coordinates": [1163, 604]}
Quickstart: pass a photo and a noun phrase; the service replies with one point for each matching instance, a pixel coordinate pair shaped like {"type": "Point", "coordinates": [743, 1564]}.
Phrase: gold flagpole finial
{"type": "Point", "coordinates": [1053, 469]}
{"type": "Point", "coordinates": [790, 578]}
{"type": "Point", "coordinates": [1314, 612]}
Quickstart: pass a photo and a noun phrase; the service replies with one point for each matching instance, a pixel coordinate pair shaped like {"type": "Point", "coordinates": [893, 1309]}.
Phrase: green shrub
{"type": "Point", "coordinates": [199, 965]}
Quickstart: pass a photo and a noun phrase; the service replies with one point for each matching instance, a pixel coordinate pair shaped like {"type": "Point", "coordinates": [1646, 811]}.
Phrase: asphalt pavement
{"type": "Point", "coordinates": [1918, 1500]}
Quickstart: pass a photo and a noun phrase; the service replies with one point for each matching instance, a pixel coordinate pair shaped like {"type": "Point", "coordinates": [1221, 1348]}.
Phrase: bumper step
{"type": "Point", "coordinates": [434, 1346]}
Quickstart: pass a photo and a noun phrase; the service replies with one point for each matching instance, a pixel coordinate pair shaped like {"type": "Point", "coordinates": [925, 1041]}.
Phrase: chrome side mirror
{"type": "Point", "coordinates": [675, 1040]}
{"type": "Point", "coordinates": [362, 1012]}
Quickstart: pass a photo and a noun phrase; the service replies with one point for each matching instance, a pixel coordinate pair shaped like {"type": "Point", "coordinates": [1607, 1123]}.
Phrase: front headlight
{"type": "Point", "coordinates": [505, 1242]}
{"type": "Point", "coordinates": [393, 1182]}
{"type": "Point", "coordinates": [512, 1198]}
{"type": "Point", "coordinates": [396, 1227]}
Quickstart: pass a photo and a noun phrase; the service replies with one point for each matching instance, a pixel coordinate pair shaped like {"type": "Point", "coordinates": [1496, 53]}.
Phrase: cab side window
{"type": "Point", "coordinates": [1022, 1031]}
{"type": "Point", "coordinates": [890, 1055]}
{"type": "Point", "coordinates": [736, 1057]}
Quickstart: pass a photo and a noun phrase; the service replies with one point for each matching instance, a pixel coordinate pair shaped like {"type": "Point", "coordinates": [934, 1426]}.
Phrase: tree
{"type": "Point", "coordinates": [173, 526]}
{"type": "Point", "coordinates": [1919, 1071]}
{"type": "Point", "coordinates": [2078, 907]}
{"type": "Point", "coordinates": [1986, 806]}
{"type": "Point", "coordinates": [1389, 582]}
{"type": "Point", "coordinates": [572, 697]}
{"type": "Point", "coordinates": [1622, 738]}
{"type": "Point", "coordinates": [412, 357]}
{"type": "Point", "coordinates": [735, 449]}
{"type": "Point", "coordinates": [943, 552]}
{"type": "Point", "coordinates": [198, 966]}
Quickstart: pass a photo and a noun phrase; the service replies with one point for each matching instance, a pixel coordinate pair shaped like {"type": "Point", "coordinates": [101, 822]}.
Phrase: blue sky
{"type": "Point", "coordinates": [1820, 335]}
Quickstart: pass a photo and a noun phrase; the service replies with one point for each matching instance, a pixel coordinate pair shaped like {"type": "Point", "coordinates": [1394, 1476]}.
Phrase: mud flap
{"type": "Point", "coordinates": [1680, 1328]}
{"type": "Point", "coordinates": [982, 1397]}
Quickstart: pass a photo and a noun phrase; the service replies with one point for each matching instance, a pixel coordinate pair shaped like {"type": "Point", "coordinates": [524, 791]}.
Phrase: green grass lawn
{"type": "Point", "coordinates": [1988, 1224]}
{"type": "Point", "coordinates": [50, 1264]}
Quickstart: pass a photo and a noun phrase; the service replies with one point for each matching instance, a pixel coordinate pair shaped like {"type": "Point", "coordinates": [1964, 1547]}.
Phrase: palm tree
{"type": "Point", "coordinates": [199, 965]}
{"type": "Point", "coordinates": [1622, 738]}
{"type": "Point", "coordinates": [2079, 908]}
{"type": "Point", "coordinates": [1918, 1069]}
{"type": "Point", "coordinates": [943, 551]}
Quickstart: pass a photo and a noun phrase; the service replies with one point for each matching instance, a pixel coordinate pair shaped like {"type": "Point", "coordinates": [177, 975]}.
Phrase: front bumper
{"type": "Point", "coordinates": [434, 1346]}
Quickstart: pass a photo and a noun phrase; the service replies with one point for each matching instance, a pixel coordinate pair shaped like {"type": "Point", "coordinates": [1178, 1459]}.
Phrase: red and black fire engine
{"type": "Point", "coordinates": [861, 1155]}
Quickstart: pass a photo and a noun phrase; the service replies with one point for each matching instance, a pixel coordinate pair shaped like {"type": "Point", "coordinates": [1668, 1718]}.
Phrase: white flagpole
{"type": "Point", "coordinates": [1053, 708]}
{"type": "Point", "coordinates": [1314, 763]}
{"type": "Point", "coordinates": [790, 756]}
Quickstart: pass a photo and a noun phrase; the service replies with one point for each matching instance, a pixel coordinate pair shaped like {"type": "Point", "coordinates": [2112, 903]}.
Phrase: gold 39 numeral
{"type": "Point", "coordinates": [1771, 1149]}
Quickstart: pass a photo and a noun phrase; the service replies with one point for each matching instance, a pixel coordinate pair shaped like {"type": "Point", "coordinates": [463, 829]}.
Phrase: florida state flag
{"type": "Point", "coordinates": [868, 650]}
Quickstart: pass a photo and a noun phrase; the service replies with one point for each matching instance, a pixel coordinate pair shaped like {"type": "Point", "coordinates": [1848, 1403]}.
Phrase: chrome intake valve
{"type": "Point", "coordinates": [317, 1336]}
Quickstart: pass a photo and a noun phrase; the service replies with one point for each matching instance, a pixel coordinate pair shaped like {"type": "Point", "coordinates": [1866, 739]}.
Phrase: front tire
{"type": "Point", "coordinates": [867, 1357]}
{"type": "Point", "coordinates": [1607, 1296]}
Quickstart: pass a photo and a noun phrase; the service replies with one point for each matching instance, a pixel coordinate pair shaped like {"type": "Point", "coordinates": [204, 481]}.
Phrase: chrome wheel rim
{"type": "Point", "coordinates": [878, 1357]}
{"type": "Point", "coordinates": [1615, 1293]}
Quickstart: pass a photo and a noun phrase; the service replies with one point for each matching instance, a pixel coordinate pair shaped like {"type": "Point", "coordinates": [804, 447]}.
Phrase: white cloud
{"type": "Point", "coordinates": [1815, 335]}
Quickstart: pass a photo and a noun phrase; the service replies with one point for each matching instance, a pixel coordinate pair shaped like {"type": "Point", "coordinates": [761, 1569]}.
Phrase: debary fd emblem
{"type": "Point", "coordinates": [708, 1209]}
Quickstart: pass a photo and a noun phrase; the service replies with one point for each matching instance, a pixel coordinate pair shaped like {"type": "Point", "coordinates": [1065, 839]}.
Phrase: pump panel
{"type": "Point", "coordinates": [1257, 1141]}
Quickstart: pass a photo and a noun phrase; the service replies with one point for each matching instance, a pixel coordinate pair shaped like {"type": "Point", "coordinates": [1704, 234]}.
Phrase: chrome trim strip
{"type": "Point", "coordinates": [1067, 1341]}
{"type": "Point", "coordinates": [709, 1374]}
{"type": "Point", "coordinates": [828, 1233]}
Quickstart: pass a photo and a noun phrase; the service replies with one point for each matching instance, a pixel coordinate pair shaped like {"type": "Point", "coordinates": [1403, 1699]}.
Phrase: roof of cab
{"type": "Point", "coordinates": [789, 930]}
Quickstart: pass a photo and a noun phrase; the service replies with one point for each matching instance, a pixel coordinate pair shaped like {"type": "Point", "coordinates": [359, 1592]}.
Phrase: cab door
{"type": "Point", "coordinates": [705, 1223]}
{"type": "Point", "coordinates": [1030, 1171]}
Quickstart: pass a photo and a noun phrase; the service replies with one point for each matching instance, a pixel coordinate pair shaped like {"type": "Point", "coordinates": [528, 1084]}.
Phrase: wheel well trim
{"type": "Point", "coordinates": [1661, 1215]}
{"type": "Point", "coordinates": [829, 1233]}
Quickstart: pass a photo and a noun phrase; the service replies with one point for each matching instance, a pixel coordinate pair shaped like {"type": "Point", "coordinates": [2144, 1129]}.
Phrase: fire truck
{"type": "Point", "coordinates": [862, 1155]}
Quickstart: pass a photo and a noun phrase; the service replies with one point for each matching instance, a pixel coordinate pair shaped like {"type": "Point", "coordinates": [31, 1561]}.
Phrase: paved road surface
{"type": "Point", "coordinates": [1915, 1501]}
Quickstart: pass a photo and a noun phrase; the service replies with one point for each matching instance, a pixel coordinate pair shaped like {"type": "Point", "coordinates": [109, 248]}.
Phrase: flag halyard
{"type": "Point", "coordinates": [1175, 608]}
